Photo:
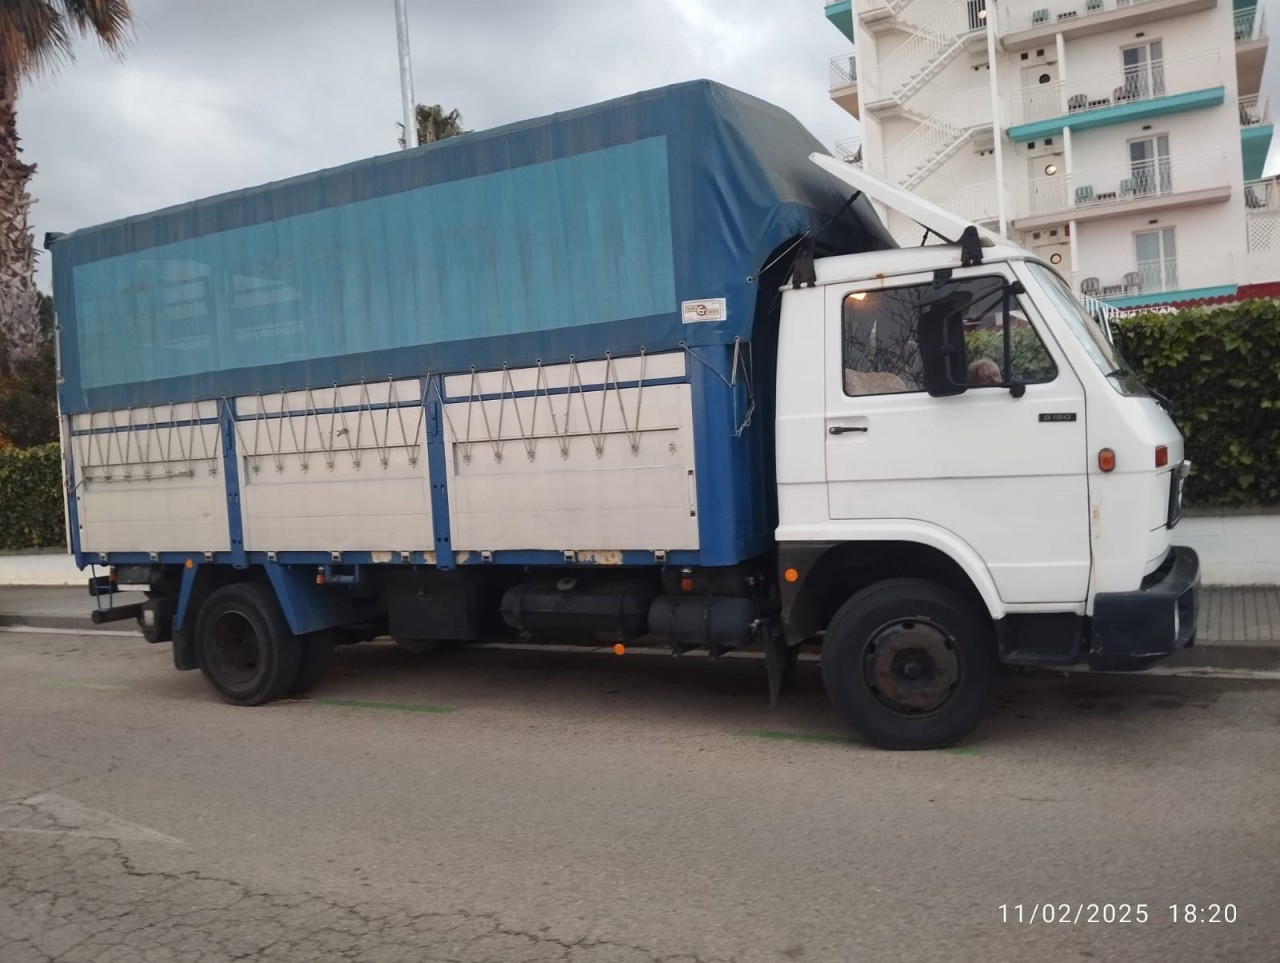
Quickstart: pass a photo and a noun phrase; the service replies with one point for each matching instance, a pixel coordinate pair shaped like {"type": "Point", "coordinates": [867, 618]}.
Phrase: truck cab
{"type": "Point", "coordinates": [959, 444]}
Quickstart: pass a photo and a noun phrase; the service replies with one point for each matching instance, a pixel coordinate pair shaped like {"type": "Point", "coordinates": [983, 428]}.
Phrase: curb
{"type": "Point", "coordinates": [1263, 656]}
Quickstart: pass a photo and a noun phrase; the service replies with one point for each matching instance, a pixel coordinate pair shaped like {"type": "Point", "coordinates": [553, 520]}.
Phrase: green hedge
{"type": "Point", "coordinates": [1221, 369]}
{"type": "Point", "coordinates": [31, 498]}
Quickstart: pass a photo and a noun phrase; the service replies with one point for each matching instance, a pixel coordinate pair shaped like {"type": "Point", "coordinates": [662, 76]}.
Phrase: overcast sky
{"type": "Point", "coordinates": [216, 96]}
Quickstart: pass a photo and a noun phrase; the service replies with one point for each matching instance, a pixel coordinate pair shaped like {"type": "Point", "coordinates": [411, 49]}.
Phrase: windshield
{"type": "Point", "coordinates": [1088, 332]}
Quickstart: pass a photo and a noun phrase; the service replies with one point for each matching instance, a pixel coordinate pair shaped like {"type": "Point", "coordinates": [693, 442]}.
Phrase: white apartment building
{"type": "Point", "coordinates": [1124, 140]}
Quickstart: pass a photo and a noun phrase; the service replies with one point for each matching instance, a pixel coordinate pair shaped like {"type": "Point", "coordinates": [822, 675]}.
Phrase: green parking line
{"type": "Point", "coordinates": [102, 686]}
{"type": "Point", "coordinates": [396, 706]}
{"type": "Point", "coordinates": [963, 750]}
{"type": "Point", "coordinates": [800, 737]}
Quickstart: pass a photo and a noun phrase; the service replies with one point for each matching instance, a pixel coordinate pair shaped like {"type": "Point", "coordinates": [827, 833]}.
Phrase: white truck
{"type": "Point", "coordinates": [652, 369]}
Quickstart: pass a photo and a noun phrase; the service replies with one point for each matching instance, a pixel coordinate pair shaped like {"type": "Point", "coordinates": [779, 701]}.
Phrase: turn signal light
{"type": "Point", "coordinates": [1162, 455]}
{"type": "Point", "coordinates": [791, 575]}
{"type": "Point", "coordinates": [1107, 459]}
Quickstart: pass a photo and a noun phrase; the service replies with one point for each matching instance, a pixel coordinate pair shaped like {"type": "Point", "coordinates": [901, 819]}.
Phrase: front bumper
{"type": "Point", "coordinates": [1133, 630]}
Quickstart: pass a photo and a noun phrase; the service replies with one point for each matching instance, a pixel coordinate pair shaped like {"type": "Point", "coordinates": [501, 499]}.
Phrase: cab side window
{"type": "Point", "coordinates": [880, 343]}
{"type": "Point", "coordinates": [880, 337]}
{"type": "Point", "coordinates": [1029, 362]}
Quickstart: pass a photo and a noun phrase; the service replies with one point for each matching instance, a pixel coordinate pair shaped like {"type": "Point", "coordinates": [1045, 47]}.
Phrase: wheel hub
{"type": "Point", "coordinates": [911, 666]}
{"type": "Point", "coordinates": [236, 648]}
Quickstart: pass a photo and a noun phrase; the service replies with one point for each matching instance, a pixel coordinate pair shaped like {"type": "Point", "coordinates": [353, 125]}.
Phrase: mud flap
{"type": "Point", "coordinates": [780, 662]}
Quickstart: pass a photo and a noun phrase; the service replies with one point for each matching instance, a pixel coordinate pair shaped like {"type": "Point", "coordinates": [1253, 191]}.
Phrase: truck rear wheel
{"type": "Point", "coordinates": [910, 664]}
{"type": "Point", "coordinates": [244, 646]}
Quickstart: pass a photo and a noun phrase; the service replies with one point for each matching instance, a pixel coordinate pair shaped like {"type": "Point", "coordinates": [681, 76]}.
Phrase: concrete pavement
{"type": "Point", "coordinates": [489, 805]}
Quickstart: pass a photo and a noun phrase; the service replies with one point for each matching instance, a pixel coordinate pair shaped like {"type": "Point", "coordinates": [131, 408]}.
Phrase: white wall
{"type": "Point", "coordinates": [1106, 246]}
{"type": "Point", "coordinates": [1234, 549]}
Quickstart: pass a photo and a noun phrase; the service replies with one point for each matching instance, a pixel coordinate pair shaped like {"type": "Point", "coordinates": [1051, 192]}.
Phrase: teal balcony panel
{"type": "Point", "coordinates": [840, 13]}
{"type": "Point", "coordinates": [1119, 113]}
{"type": "Point", "coordinates": [1255, 141]}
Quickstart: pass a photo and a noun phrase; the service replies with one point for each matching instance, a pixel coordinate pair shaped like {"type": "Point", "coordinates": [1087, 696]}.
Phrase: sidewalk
{"type": "Point", "coordinates": [1238, 628]}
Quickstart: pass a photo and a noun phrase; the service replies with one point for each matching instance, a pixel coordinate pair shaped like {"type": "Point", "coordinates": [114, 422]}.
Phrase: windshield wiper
{"type": "Point", "coordinates": [1163, 401]}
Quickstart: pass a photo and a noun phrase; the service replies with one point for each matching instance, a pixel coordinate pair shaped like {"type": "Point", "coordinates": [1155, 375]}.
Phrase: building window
{"type": "Point", "coordinates": [1143, 71]}
{"type": "Point", "coordinates": [1156, 259]}
{"type": "Point", "coordinates": [1149, 171]}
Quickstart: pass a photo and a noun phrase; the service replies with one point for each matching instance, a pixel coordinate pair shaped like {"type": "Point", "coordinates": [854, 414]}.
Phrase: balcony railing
{"type": "Point", "coordinates": [1253, 111]}
{"type": "Point", "coordinates": [849, 150]}
{"type": "Point", "coordinates": [1262, 197]}
{"type": "Point", "coordinates": [1150, 277]}
{"type": "Point", "coordinates": [1120, 86]}
{"type": "Point", "coordinates": [975, 202]}
{"type": "Point", "coordinates": [1101, 187]}
{"type": "Point", "coordinates": [1028, 14]}
{"type": "Point", "coordinates": [1250, 24]}
{"type": "Point", "coordinates": [842, 71]}
{"type": "Point", "coordinates": [1161, 275]}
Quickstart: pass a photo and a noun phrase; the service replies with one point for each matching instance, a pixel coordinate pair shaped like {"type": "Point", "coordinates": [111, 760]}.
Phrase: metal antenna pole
{"type": "Point", "coordinates": [406, 76]}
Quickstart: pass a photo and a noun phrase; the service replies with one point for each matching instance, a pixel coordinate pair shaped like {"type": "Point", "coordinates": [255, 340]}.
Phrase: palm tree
{"type": "Point", "coordinates": [434, 124]}
{"type": "Point", "coordinates": [35, 35]}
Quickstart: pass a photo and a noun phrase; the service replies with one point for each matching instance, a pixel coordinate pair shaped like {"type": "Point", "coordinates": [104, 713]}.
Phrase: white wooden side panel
{"type": "Point", "coordinates": [344, 509]}
{"type": "Point", "coordinates": [150, 489]}
{"type": "Point", "coordinates": [319, 482]}
{"type": "Point", "coordinates": [584, 488]}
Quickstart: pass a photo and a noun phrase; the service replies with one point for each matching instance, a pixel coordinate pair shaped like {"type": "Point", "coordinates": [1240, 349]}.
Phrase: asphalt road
{"type": "Point", "coordinates": [584, 807]}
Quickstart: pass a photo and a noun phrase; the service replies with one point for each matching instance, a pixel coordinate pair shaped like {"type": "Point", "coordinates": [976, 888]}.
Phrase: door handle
{"type": "Point", "coordinates": [841, 429]}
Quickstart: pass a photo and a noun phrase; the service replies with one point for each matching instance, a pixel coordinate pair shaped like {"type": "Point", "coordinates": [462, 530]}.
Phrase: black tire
{"type": "Point", "coordinates": [244, 646]}
{"type": "Point", "coordinates": [317, 654]}
{"type": "Point", "coordinates": [910, 664]}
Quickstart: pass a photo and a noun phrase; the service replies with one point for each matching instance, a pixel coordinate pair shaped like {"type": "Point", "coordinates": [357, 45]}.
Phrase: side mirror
{"type": "Point", "coordinates": [942, 350]}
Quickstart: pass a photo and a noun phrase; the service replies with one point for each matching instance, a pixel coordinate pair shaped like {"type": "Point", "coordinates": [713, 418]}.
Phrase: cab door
{"type": "Point", "coordinates": [1000, 465]}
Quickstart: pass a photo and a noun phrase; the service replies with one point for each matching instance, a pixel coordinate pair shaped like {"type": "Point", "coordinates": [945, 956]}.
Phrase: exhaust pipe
{"type": "Point", "coordinates": [117, 614]}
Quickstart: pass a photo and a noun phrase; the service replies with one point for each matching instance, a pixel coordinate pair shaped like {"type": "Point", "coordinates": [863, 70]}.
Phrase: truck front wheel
{"type": "Point", "coordinates": [910, 664]}
{"type": "Point", "coordinates": [244, 646]}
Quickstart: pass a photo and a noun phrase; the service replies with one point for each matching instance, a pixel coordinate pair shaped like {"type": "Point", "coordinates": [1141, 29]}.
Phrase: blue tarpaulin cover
{"type": "Point", "coordinates": [578, 233]}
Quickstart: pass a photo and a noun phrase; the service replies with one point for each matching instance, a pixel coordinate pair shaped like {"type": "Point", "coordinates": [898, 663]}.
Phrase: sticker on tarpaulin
{"type": "Point", "coordinates": [708, 309]}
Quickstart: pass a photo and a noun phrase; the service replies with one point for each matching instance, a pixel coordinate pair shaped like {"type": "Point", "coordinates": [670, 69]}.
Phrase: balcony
{"type": "Point", "coordinates": [1163, 280]}
{"type": "Point", "coordinates": [1131, 188]}
{"type": "Point", "coordinates": [840, 13]}
{"type": "Point", "coordinates": [1031, 23]}
{"type": "Point", "coordinates": [842, 79]}
{"type": "Point", "coordinates": [1255, 135]}
{"type": "Point", "coordinates": [849, 150]}
{"type": "Point", "coordinates": [1251, 48]}
{"type": "Point", "coordinates": [1119, 95]}
{"type": "Point", "coordinates": [1250, 24]}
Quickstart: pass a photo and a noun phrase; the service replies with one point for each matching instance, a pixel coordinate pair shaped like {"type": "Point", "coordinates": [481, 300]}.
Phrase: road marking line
{"type": "Point", "coordinates": [72, 819]}
{"type": "Point", "coordinates": [103, 686]}
{"type": "Point", "coordinates": [396, 706]}
{"type": "Point", "coordinates": [46, 630]}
